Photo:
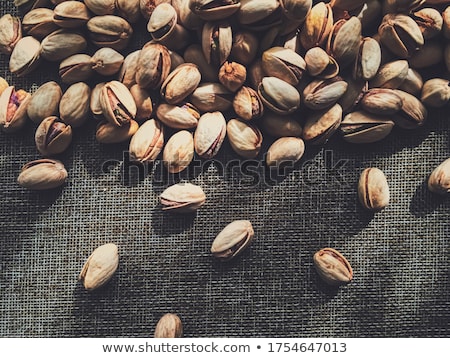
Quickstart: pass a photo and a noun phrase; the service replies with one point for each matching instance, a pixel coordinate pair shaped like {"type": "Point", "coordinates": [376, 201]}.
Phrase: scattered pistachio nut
{"type": "Point", "coordinates": [209, 135]}
{"type": "Point", "coordinates": [182, 116]}
{"type": "Point", "coordinates": [232, 75]}
{"type": "Point", "coordinates": [13, 109]}
{"type": "Point", "coordinates": [361, 127]}
{"type": "Point", "coordinates": [10, 33]}
{"type": "Point", "coordinates": [232, 240]}
{"type": "Point", "coordinates": [439, 180]}
{"type": "Point", "coordinates": [180, 83]}
{"type": "Point", "coordinates": [178, 151]}
{"type": "Point", "coordinates": [373, 189]}
{"type": "Point", "coordinates": [42, 174]}
{"type": "Point", "coordinates": [147, 142]}
{"type": "Point", "coordinates": [247, 104]}
{"type": "Point", "coordinates": [182, 198]}
{"type": "Point", "coordinates": [75, 104]}
{"type": "Point", "coordinates": [285, 151]}
{"type": "Point", "coordinates": [278, 95]}
{"type": "Point", "coordinates": [108, 133]}
{"type": "Point", "coordinates": [169, 326]}
{"type": "Point", "coordinates": [333, 267]}
{"type": "Point", "coordinates": [53, 136]}
{"type": "Point", "coordinates": [117, 103]}
{"type": "Point", "coordinates": [245, 138]}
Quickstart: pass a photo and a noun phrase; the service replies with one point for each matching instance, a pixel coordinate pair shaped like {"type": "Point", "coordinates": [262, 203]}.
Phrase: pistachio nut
{"type": "Point", "coordinates": [439, 180]}
{"type": "Point", "coordinates": [110, 31]}
{"type": "Point", "coordinates": [52, 136]}
{"type": "Point", "coordinates": [76, 68]}
{"type": "Point", "coordinates": [247, 104]}
{"type": "Point", "coordinates": [194, 54]}
{"type": "Point", "coordinates": [147, 142]}
{"type": "Point", "coordinates": [101, 7]}
{"type": "Point", "coordinates": [323, 93]}
{"type": "Point", "coordinates": [108, 133]}
{"type": "Point", "coordinates": [13, 109]}
{"type": "Point", "coordinates": [187, 17]}
{"type": "Point", "coordinates": [245, 138]}
{"type": "Point", "coordinates": [182, 198]}
{"type": "Point", "coordinates": [178, 151]}
{"type": "Point", "coordinates": [284, 64]}
{"type": "Point", "coordinates": [94, 102]}
{"type": "Point", "coordinates": [74, 106]}
{"type": "Point", "coordinates": [362, 127]}
{"type": "Point", "coordinates": [355, 90]}
{"type": "Point", "coordinates": [244, 48]}
{"type": "Point", "coordinates": [180, 83]}
{"type": "Point", "coordinates": [285, 151]}
{"type": "Point", "coordinates": [39, 23]}
{"type": "Point", "coordinates": [436, 92]}
{"type": "Point", "coordinates": [213, 10]}
{"type": "Point", "coordinates": [99, 267]}
{"type": "Point", "coordinates": [209, 135]}
{"type": "Point", "coordinates": [107, 61]}
{"type": "Point", "coordinates": [153, 66]}
{"type": "Point", "coordinates": [332, 267]}
{"type": "Point", "coordinates": [317, 27]}
{"type": "Point", "coordinates": [259, 15]}
{"type": "Point", "coordinates": [129, 10]}
{"type": "Point", "coordinates": [431, 54]}
{"type": "Point", "coordinates": [217, 40]}
{"type": "Point", "coordinates": [44, 102]}
{"type": "Point", "coordinates": [232, 240]}
{"type": "Point", "coordinates": [280, 126]}
{"type": "Point", "coordinates": [42, 174]}
{"type": "Point", "coordinates": [400, 34]}
{"type": "Point", "coordinates": [321, 125]}
{"type": "Point", "coordinates": [127, 73]}
{"type": "Point", "coordinates": [25, 56]}
{"type": "Point", "coordinates": [412, 114]}
{"type": "Point", "coordinates": [430, 22]}
{"type": "Point", "coordinates": [10, 33]}
{"type": "Point", "coordinates": [368, 60]}
{"type": "Point", "coordinates": [148, 6]}
{"type": "Point", "coordinates": [232, 75]}
{"type": "Point", "coordinates": [382, 101]}
{"type": "Point", "coordinates": [320, 64]}
{"type": "Point", "coordinates": [278, 95]}
{"type": "Point", "coordinates": [169, 326]}
{"type": "Point", "coordinates": [373, 189]}
{"type": "Point", "coordinates": [182, 116]}
{"type": "Point", "coordinates": [117, 103]}
{"type": "Point", "coordinates": [296, 9]}
{"type": "Point", "coordinates": [71, 14]}
{"type": "Point", "coordinates": [211, 97]}
{"type": "Point", "coordinates": [26, 5]}
{"type": "Point", "coordinates": [401, 6]}
{"type": "Point", "coordinates": [390, 75]}
{"type": "Point", "coordinates": [413, 83]}
{"type": "Point", "coordinates": [61, 44]}
{"type": "Point", "coordinates": [144, 104]}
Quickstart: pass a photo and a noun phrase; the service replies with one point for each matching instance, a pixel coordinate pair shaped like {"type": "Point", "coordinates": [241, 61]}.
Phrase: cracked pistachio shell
{"type": "Point", "coordinates": [430, 22]}
{"type": "Point", "coordinates": [320, 64]}
{"type": "Point", "coordinates": [217, 40]}
{"type": "Point", "coordinates": [182, 198]}
{"type": "Point", "coordinates": [283, 63]}
{"type": "Point", "coordinates": [76, 68]}
{"type": "Point", "coordinates": [436, 92]}
{"type": "Point", "coordinates": [75, 104]}
{"type": "Point", "coordinates": [61, 44]}
{"type": "Point", "coordinates": [391, 75]}
{"type": "Point", "coordinates": [182, 116]}
{"type": "Point", "coordinates": [99, 267]}
{"type": "Point", "coordinates": [25, 56]}
{"type": "Point", "coordinates": [153, 66]}
{"type": "Point", "coordinates": [44, 102]}
{"type": "Point", "coordinates": [178, 151]}
{"type": "Point", "coordinates": [39, 23]}
{"type": "Point", "coordinates": [321, 125]}
{"type": "Point", "coordinates": [180, 83]}
{"type": "Point", "coordinates": [211, 97]}
{"type": "Point", "coordinates": [194, 54]}
{"type": "Point", "coordinates": [318, 25]}
{"type": "Point", "coordinates": [108, 133]}
{"type": "Point", "coordinates": [244, 48]}
{"type": "Point", "coordinates": [232, 75]}
{"type": "Point", "coordinates": [381, 101]}
{"type": "Point", "coordinates": [368, 60]}
{"type": "Point", "coordinates": [13, 109]}
{"type": "Point", "coordinates": [373, 189]}
{"type": "Point", "coordinates": [71, 14]}
{"type": "Point", "coordinates": [323, 93]}
{"type": "Point", "coordinates": [232, 240]}
{"type": "Point", "coordinates": [144, 104]}
{"type": "Point", "coordinates": [212, 10]}
{"type": "Point", "coordinates": [10, 33]}
{"type": "Point", "coordinates": [413, 83]}
{"type": "Point", "coordinates": [278, 95]}
{"type": "Point", "coordinates": [245, 138]}
{"type": "Point", "coordinates": [439, 180]}
{"type": "Point", "coordinates": [169, 326]}
{"type": "Point", "coordinates": [117, 103]}
{"type": "Point", "coordinates": [362, 127]}
{"type": "Point", "coordinates": [285, 151]}
{"type": "Point", "coordinates": [413, 113]}
{"type": "Point", "coordinates": [107, 61]}
{"type": "Point", "coordinates": [296, 9]}
{"type": "Point", "coordinates": [42, 174]}
{"type": "Point", "coordinates": [259, 15]}
{"type": "Point", "coordinates": [147, 142]}
{"type": "Point", "coordinates": [278, 126]}
{"type": "Point", "coordinates": [332, 267]}
{"type": "Point", "coordinates": [52, 136]}
{"type": "Point", "coordinates": [209, 135]}
{"type": "Point", "coordinates": [127, 73]}
{"type": "Point", "coordinates": [109, 31]}
{"type": "Point", "coordinates": [247, 104]}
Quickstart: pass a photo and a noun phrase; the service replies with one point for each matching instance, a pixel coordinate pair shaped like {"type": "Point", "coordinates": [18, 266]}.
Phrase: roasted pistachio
{"type": "Point", "coordinates": [258, 15]}
{"type": "Point", "coordinates": [76, 68]}
{"type": "Point", "coordinates": [210, 97]}
{"type": "Point", "coordinates": [429, 21]}
{"type": "Point", "coordinates": [368, 60]}
{"type": "Point", "coordinates": [74, 106]}
{"type": "Point", "coordinates": [320, 64]}
{"type": "Point", "coordinates": [321, 94]}
{"type": "Point", "coordinates": [245, 138]}
{"type": "Point", "coordinates": [362, 127]}
{"type": "Point", "coordinates": [10, 33]}
{"type": "Point", "coordinates": [61, 44]}
{"type": "Point", "coordinates": [147, 142]}
{"type": "Point", "coordinates": [53, 136]}
{"type": "Point", "coordinates": [39, 23]}
{"type": "Point", "coordinates": [108, 133]}
{"type": "Point", "coordinates": [180, 83]}
{"type": "Point", "coordinates": [412, 114]}
{"type": "Point", "coordinates": [284, 64]}
{"type": "Point", "coordinates": [413, 83]}
{"type": "Point", "coordinates": [183, 116]}
{"type": "Point", "coordinates": [382, 101]}
{"type": "Point", "coordinates": [148, 6]}
{"type": "Point", "coordinates": [94, 102]}
{"type": "Point", "coordinates": [439, 180]}
{"type": "Point", "coordinates": [129, 10]}
{"type": "Point", "coordinates": [233, 240]}
{"type": "Point", "coordinates": [247, 104]}
{"type": "Point", "coordinates": [44, 102]}
{"type": "Point", "coordinates": [169, 326]}
{"type": "Point", "coordinates": [209, 135]}
{"type": "Point", "coordinates": [212, 10]}
{"type": "Point", "coordinates": [217, 40]}
{"type": "Point", "coordinates": [26, 5]}
{"type": "Point", "coordinates": [110, 31]}
{"type": "Point", "coordinates": [107, 61]}
{"type": "Point", "coordinates": [127, 73]}
{"type": "Point", "coordinates": [25, 56]}
{"type": "Point", "coordinates": [178, 151]}
{"type": "Point", "coordinates": [436, 92]}
{"type": "Point", "coordinates": [391, 75]}
{"type": "Point", "coordinates": [244, 48]}
{"type": "Point", "coordinates": [71, 14]}
{"type": "Point", "coordinates": [182, 198]}
{"type": "Point", "coordinates": [296, 9]}
{"type": "Point", "coordinates": [13, 109]}
{"type": "Point", "coordinates": [101, 7]}
{"type": "Point", "coordinates": [278, 95]}
{"type": "Point", "coordinates": [117, 103]}
{"type": "Point", "coordinates": [333, 267]}
{"type": "Point", "coordinates": [153, 66]}
{"type": "Point", "coordinates": [321, 125]}
{"type": "Point", "coordinates": [144, 104]}
{"type": "Point", "coordinates": [42, 174]}
{"type": "Point", "coordinates": [285, 151]}
{"type": "Point", "coordinates": [318, 25]}
{"type": "Point", "coordinates": [277, 126]}
{"type": "Point", "coordinates": [187, 17]}
{"type": "Point", "coordinates": [373, 189]}
{"type": "Point", "coordinates": [232, 75]}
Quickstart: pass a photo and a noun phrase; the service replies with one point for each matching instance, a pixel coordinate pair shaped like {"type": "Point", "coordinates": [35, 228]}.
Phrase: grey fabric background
{"type": "Point", "coordinates": [400, 256]}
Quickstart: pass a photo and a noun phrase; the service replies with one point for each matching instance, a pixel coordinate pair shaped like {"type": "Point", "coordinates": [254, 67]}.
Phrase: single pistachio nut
{"type": "Point", "coordinates": [153, 66]}
{"type": "Point", "coordinates": [180, 83]}
{"type": "Point", "coordinates": [194, 54]}
{"type": "Point", "coordinates": [148, 6]}
{"type": "Point", "coordinates": [109, 31]}
{"type": "Point", "coordinates": [212, 10]}
{"type": "Point", "coordinates": [217, 40]}
{"type": "Point", "coordinates": [259, 15]}
{"type": "Point", "coordinates": [76, 68]}
{"type": "Point", "coordinates": [42, 174]}
{"type": "Point", "coordinates": [94, 103]}
{"type": "Point", "coordinates": [361, 127]}
{"type": "Point", "coordinates": [127, 73]}
{"type": "Point", "coordinates": [232, 75]}
{"type": "Point", "coordinates": [413, 83]}
{"type": "Point", "coordinates": [332, 267]}
{"type": "Point", "coordinates": [129, 10]}
{"type": "Point", "coordinates": [147, 142]}
{"type": "Point", "coordinates": [211, 97]}
{"type": "Point", "coordinates": [117, 103]}
{"type": "Point", "coordinates": [71, 14]}
{"type": "Point", "coordinates": [144, 104]}
{"type": "Point", "coordinates": [278, 126]}
{"type": "Point", "coordinates": [320, 64]}
{"type": "Point", "coordinates": [296, 9]}
{"type": "Point", "coordinates": [324, 93]}
{"type": "Point", "coordinates": [381, 101]}
{"type": "Point", "coordinates": [283, 63]}
{"type": "Point", "coordinates": [182, 198]}
{"type": "Point", "coordinates": [439, 180]}
{"type": "Point", "coordinates": [245, 138]}
{"type": "Point", "coordinates": [169, 326]}
{"type": "Point", "coordinates": [285, 151]}
{"type": "Point", "coordinates": [101, 7]}
{"type": "Point", "coordinates": [178, 151]}
{"type": "Point", "coordinates": [278, 95]}
{"type": "Point", "coordinates": [10, 33]}
{"type": "Point", "coordinates": [108, 133]}
{"type": "Point", "coordinates": [413, 113]}
{"type": "Point", "coordinates": [317, 27]}
{"type": "Point", "coordinates": [99, 267]}
{"type": "Point", "coordinates": [39, 23]}
{"type": "Point", "coordinates": [25, 57]}
{"type": "Point", "coordinates": [368, 60]}
{"type": "Point", "coordinates": [321, 125]}
{"type": "Point", "coordinates": [390, 75]}
{"type": "Point", "coordinates": [209, 135]}
{"type": "Point", "coordinates": [233, 240]}
{"type": "Point", "coordinates": [75, 104]}
{"type": "Point", "coordinates": [107, 61]}
{"type": "Point", "coordinates": [52, 136]}
{"type": "Point", "coordinates": [182, 116]}
{"type": "Point", "coordinates": [61, 44]}
{"type": "Point", "coordinates": [430, 22]}
{"type": "Point", "coordinates": [13, 109]}
{"type": "Point", "coordinates": [436, 92]}
{"type": "Point", "coordinates": [247, 104]}
{"type": "Point", "coordinates": [373, 189]}
{"type": "Point", "coordinates": [44, 102]}
{"type": "Point", "coordinates": [244, 48]}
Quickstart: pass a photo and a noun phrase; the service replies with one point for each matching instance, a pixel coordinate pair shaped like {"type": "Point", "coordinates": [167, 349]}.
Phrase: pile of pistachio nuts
{"type": "Point", "coordinates": [297, 70]}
